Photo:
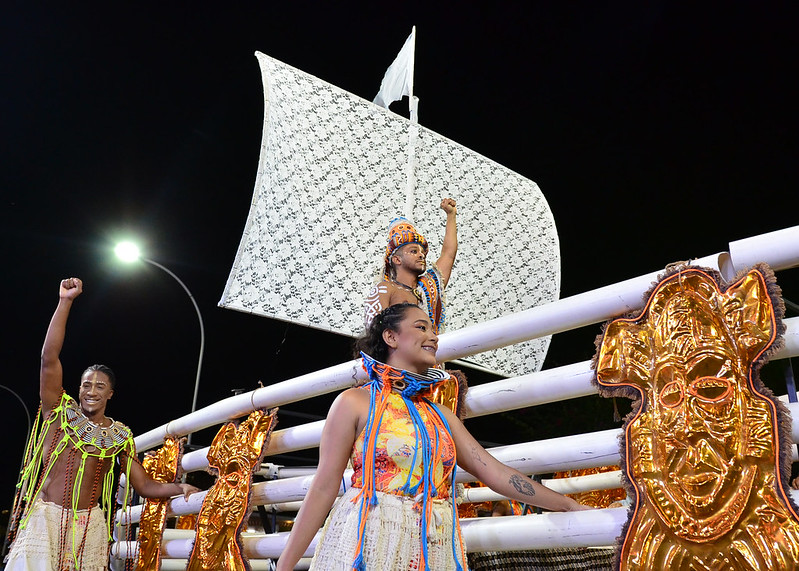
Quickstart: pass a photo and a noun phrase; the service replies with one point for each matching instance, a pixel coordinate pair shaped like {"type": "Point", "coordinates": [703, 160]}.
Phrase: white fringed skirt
{"type": "Point", "coordinates": [392, 536]}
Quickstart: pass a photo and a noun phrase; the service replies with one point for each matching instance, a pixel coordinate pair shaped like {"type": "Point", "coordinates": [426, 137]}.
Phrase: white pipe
{"type": "Point", "coordinates": [591, 528]}
{"type": "Point", "coordinates": [299, 437]}
{"type": "Point", "coordinates": [587, 483]}
{"type": "Point", "coordinates": [550, 385]}
{"type": "Point", "coordinates": [779, 249]}
{"type": "Point", "coordinates": [541, 457]}
{"type": "Point", "coordinates": [551, 530]}
{"type": "Point", "coordinates": [562, 315]}
{"type": "Point", "coordinates": [557, 454]}
{"type": "Point", "coordinates": [303, 387]}
{"type": "Point", "coordinates": [572, 485]}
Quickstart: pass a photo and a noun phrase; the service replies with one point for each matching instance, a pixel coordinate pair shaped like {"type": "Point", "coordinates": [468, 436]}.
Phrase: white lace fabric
{"type": "Point", "coordinates": [331, 175]}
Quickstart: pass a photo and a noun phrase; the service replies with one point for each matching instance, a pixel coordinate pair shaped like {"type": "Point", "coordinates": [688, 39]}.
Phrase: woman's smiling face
{"type": "Point", "coordinates": [413, 345]}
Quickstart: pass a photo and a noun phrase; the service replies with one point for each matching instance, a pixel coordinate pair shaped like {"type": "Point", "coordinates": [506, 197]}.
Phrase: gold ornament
{"type": "Point", "coordinates": [702, 451]}
{"type": "Point", "coordinates": [161, 466]}
{"type": "Point", "coordinates": [235, 455]}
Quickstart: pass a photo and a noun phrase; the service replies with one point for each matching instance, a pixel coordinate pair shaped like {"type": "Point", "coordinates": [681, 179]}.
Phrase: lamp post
{"type": "Point", "coordinates": [4, 547]}
{"type": "Point", "coordinates": [129, 252]}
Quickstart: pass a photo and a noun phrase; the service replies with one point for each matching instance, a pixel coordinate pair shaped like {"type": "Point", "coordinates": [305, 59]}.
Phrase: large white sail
{"type": "Point", "coordinates": [332, 173]}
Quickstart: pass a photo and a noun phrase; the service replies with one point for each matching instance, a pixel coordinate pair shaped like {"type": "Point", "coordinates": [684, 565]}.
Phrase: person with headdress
{"type": "Point", "coordinates": [399, 513]}
{"type": "Point", "coordinates": [405, 275]}
{"type": "Point", "coordinates": [69, 463]}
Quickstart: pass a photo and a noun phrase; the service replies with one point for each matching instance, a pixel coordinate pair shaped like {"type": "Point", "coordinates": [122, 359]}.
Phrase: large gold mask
{"type": "Point", "coordinates": [235, 455]}
{"type": "Point", "coordinates": [702, 451]}
{"type": "Point", "coordinates": [162, 466]}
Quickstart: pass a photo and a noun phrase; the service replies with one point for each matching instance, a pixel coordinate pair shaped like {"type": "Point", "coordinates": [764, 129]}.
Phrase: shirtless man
{"type": "Point", "coordinates": [406, 277]}
{"type": "Point", "coordinates": [68, 477]}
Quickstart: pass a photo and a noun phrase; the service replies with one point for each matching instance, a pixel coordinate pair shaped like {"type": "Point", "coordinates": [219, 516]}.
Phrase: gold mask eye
{"type": "Point", "coordinates": [671, 395]}
{"type": "Point", "coordinates": [710, 389]}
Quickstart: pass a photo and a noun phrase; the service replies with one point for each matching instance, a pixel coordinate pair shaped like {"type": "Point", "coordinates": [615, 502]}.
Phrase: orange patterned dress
{"type": "Point", "coordinates": [393, 532]}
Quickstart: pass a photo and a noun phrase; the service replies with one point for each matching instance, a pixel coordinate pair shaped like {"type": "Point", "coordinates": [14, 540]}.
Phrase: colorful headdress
{"type": "Point", "coordinates": [400, 233]}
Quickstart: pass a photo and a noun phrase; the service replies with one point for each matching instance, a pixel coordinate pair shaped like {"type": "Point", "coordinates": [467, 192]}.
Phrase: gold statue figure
{"type": "Point", "coordinates": [706, 454]}
{"type": "Point", "coordinates": [235, 454]}
{"type": "Point", "coordinates": [162, 466]}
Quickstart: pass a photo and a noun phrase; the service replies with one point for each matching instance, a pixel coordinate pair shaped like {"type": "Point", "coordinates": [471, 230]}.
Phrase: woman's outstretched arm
{"type": "Point", "coordinates": [501, 478]}
{"type": "Point", "coordinates": [344, 422]}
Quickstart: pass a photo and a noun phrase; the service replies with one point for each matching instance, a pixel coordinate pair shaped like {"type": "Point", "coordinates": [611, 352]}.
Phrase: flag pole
{"type": "Point", "coordinates": [413, 128]}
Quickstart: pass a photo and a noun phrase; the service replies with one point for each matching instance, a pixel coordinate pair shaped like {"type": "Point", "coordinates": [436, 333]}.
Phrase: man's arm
{"type": "Point", "coordinates": [146, 487]}
{"type": "Point", "coordinates": [450, 246]}
{"type": "Point", "coordinates": [50, 373]}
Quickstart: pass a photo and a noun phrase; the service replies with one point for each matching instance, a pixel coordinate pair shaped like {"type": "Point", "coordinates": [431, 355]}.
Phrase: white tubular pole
{"type": "Point", "coordinates": [791, 339]}
{"type": "Point", "coordinates": [587, 483]}
{"type": "Point", "coordinates": [305, 386]}
{"type": "Point", "coordinates": [592, 528]}
{"type": "Point", "coordinates": [779, 249]}
{"type": "Point", "coordinates": [550, 385]}
{"type": "Point", "coordinates": [573, 485]}
{"type": "Point", "coordinates": [562, 315]}
{"type": "Point", "coordinates": [545, 531]}
{"type": "Point", "coordinates": [794, 408]}
{"type": "Point", "coordinates": [589, 450]}
{"type": "Point", "coordinates": [299, 437]}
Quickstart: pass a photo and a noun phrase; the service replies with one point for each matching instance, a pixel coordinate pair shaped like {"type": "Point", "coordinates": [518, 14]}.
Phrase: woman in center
{"type": "Point", "coordinates": [400, 511]}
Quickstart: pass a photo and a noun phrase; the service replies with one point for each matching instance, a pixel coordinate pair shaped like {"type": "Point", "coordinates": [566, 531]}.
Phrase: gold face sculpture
{"type": "Point", "coordinates": [161, 466]}
{"type": "Point", "coordinates": [235, 454]}
{"type": "Point", "coordinates": [702, 452]}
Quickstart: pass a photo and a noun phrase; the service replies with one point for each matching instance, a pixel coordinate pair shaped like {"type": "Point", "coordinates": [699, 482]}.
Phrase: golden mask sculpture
{"type": "Point", "coordinates": [162, 466]}
{"type": "Point", "coordinates": [707, 449]}
{"type": "Point", "coordinates": [235, 454]}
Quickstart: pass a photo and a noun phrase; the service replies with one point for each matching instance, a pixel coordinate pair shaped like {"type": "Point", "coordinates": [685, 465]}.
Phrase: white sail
{"type": "Point", "coordinates": [332, 172]}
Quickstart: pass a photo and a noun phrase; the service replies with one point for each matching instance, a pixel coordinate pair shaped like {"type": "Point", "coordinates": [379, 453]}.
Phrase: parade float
{"type": "Point", "coordinates": [334, 168]}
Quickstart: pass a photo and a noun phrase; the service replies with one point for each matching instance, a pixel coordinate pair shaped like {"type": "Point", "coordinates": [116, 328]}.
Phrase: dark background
{"type": "Point", "coordinates": [658, 131]}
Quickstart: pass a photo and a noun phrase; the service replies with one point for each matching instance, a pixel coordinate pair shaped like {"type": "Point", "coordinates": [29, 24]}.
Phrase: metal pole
{"type": "Point", "coordinates": [202, 334]}
{"type": "Point", "coordinates": [5, 545]}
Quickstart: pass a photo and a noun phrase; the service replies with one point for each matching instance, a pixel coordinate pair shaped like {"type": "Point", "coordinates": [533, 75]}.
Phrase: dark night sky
{"type": "Point", "coordinates": [658, 131]}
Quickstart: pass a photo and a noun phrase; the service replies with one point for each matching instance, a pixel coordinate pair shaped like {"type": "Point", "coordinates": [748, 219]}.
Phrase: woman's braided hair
{"type": "Point", "coordinates": [371, 342]}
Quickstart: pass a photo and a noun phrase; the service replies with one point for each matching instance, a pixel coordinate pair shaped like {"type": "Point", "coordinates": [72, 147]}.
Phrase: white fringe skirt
{"type": "Point", "coordinates": [392, 535]}
{"type": "Point", "coordinates": [37, 544]}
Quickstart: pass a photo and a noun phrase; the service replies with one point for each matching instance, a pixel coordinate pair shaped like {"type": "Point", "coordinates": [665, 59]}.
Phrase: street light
{"type": "Point", "coordinates": [129, 252]}
{"type": "Point", "coordinates": [11, 521]}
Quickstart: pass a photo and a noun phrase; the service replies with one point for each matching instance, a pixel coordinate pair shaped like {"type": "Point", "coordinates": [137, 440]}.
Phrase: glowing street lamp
{"type": "Point", "coordinates": [129, 252]}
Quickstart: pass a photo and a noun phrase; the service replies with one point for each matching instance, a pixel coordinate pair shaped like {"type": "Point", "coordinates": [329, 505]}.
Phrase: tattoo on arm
{"type": "Point", "coordinates": [476, 455]}
{"type": "Point", "coordinates": [522, 485]}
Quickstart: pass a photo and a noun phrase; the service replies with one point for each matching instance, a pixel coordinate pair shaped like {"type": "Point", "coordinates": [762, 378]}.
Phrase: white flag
{"type": "Point", "coordinates": [398, 80]}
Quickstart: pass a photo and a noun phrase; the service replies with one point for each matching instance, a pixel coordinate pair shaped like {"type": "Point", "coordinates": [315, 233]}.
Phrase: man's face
{"type": "Point", "coordinates": [411, 257]}
{"type": "Point", "coordinates": [95, 390]}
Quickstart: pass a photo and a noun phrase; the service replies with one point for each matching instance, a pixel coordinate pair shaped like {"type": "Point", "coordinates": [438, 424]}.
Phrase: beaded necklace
{"type": "Point", "coordinates": [414, 290]}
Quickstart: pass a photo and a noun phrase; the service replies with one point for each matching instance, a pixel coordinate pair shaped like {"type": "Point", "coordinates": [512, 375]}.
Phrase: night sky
{"type": "Point", "coordinates": [658, 131]}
